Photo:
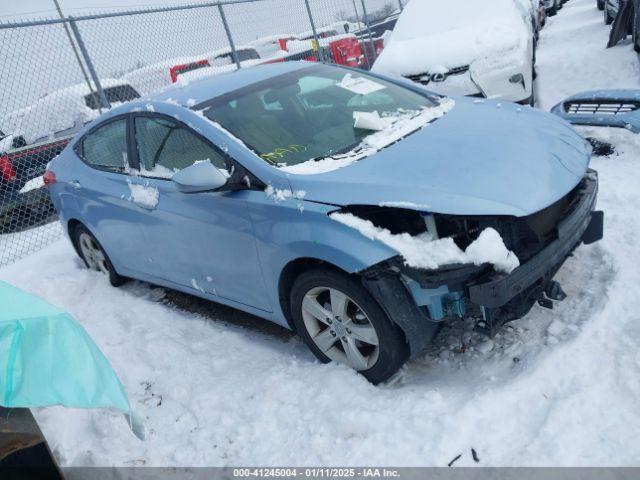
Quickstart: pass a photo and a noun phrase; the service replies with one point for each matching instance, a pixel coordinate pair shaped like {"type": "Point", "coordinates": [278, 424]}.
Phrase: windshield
{"type": "Point", "coordinates": [309, 114]}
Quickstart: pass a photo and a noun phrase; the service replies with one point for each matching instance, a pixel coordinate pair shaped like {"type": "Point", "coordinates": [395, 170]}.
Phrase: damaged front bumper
{"type": "Point", "coordinates": [417, 300]}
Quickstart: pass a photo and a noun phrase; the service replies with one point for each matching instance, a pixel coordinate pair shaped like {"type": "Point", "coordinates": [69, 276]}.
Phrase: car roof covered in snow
{"type": "Point", "coordinates": [197, 91]}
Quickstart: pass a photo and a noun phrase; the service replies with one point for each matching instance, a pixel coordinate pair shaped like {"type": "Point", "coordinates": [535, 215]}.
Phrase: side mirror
{"type": "Point", "coordinates": [199, 177]}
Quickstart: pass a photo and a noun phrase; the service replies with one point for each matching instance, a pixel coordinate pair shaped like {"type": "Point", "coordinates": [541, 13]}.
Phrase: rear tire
{"type": "Point", "coordinates": [366, 340]}
{"type": "Point", "coordinates": [94, 256]}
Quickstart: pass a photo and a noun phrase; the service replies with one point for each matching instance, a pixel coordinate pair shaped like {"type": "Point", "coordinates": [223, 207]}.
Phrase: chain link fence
{"type": "Point", "coordinates": [58, 74]}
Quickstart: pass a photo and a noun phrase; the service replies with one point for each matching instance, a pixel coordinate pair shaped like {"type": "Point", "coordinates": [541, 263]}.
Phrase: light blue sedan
{"type": "Point", "coordinates": [358, 210]}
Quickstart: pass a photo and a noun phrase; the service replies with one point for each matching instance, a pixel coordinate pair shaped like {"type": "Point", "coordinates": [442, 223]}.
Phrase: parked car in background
{"type": "Point", "coordinates": [552, 7]}
{"type": "Point", "coordinates": [379, 28]}
{"type": "Point", "coordinates": [257, 190]}
{"type": "Point", "coordinates": [24, 203]}
{"type": "Point", "coordinates": [63, 112]}
{"type": "Point", "coordinates": [331, 30]}
{"type": "Point", "coordinates": [155, 77]}
{"type": "Point", "coordinates": [529, 12]}
{"type": "Point", "coordinates": [541, 13]}
{"type": "Point", "coordinates": [39, 132]}
{"type": "Point", "coordinates": [461, 47]}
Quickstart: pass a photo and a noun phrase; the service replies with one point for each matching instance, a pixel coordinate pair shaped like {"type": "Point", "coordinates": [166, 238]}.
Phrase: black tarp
{"type": "Point", "coordinates": [622, 24]}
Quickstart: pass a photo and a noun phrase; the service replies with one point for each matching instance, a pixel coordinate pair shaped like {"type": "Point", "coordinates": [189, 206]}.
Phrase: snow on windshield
{"type": "Point", "coordinates": [399, 126]}
{"type": "Point", "coordinates": [423, 251]}
{"type": "Point", "coordinates": [437, 36]}
{"type": "Point", "coordinates": [320, 118]}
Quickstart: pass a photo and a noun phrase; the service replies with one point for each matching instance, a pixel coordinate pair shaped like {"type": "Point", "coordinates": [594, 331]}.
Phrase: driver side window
{"type": "Point", "coordinates": [165, 147]}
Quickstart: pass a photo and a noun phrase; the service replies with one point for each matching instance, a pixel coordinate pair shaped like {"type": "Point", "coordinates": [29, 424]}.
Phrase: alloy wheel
{"type": "Point", "coordinates": [340, 328]}
{"type": "Point", "coordinates": [92, 253]}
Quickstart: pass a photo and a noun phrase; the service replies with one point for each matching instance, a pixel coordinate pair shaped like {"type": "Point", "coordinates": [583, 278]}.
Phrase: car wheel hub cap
{"type": "Point", "coordinates": [340, 328]}
{"type": "Point", "coordinates": [93, 254]}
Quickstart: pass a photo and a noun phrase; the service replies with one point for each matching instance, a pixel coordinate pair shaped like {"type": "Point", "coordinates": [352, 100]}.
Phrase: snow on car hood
{"type": "Point", "coordinates": [437, 36]}
{"type": "Point", "coordinates": [482, 158]}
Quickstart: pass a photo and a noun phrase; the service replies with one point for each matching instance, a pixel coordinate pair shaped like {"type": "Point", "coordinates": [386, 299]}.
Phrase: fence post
{"type": "Point", "coordinates": [77, 55]}
{"type": "Point", "coordinates": [315, 33]}
{"type": "Point", "coordinates": [87, 59]}
{"type": "Point", "coordinates": [366, 22]}
{"type": "Point", "coordinates": [360, 40]}
{"type": "Point", "coordinates": [234, 54]}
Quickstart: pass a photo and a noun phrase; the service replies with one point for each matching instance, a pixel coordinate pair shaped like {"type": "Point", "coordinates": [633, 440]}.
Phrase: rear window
{"type": "Point", "coordinates": [105, 148]}
{"type": "Point", "coordinates": [117, 94]}
{"type": "Point", "coordinates": [243, 55]}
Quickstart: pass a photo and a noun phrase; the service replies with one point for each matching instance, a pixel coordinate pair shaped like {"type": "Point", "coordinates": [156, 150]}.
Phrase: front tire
{"type": "Point", "coordinates": [340, 322]}
{"type": "Point", "coordinates": [94, 256]}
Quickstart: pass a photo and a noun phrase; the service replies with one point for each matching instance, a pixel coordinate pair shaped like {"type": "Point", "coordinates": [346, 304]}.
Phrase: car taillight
{"type": "Point", "coordinates": [49, 178]}
{"type": "Point", "coordinates": [7, 172]}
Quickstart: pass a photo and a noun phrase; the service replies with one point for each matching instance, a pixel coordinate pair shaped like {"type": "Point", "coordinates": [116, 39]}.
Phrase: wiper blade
{"type": "Point", "coordinates": [342, 151]}
{"type": "Point", "coordinates": [354, 150]}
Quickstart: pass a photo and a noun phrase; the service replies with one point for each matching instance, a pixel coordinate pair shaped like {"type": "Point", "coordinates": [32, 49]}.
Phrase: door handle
{"type": "Point", "coordinates": [75, 184]}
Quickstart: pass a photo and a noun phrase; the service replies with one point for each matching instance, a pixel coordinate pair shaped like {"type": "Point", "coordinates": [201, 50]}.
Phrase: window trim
{"type": "Point", "coordinates": [135, 159]}
{"type": "Point", "coordinates": [79, 146]}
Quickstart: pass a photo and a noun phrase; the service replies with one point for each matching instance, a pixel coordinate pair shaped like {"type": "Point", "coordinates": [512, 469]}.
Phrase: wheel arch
{"type": "Point", "coordinates": [288, 276]}
{"type": "Point", "coordinates": [72, 224]}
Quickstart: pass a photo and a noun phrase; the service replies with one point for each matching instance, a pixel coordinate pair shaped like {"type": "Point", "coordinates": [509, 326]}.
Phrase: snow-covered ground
{"type": "Point", "coordinates": [217, 387]}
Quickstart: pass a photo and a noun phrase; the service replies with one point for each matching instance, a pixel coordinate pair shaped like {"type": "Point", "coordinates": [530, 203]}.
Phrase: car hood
{"type": "Point", "coordinates": [481, 158]}
{"type": "Point", "coordinates": [422, 55]}
{"type": "Point", "coordinates": [435, 37]}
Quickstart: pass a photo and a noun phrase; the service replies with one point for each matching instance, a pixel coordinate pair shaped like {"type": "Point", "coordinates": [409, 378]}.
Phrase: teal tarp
{"type": "Point", "coordinates": [47, 358]}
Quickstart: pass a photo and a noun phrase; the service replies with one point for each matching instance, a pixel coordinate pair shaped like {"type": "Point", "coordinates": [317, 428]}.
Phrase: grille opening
{"type": "Point", "coordinates": [426, 77]}
{"type": "Point", "coordinates": [600, 108]}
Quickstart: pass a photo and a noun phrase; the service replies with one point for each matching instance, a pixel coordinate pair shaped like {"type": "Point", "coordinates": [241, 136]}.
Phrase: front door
{"type": "Point", "coordinates": [203, 241]}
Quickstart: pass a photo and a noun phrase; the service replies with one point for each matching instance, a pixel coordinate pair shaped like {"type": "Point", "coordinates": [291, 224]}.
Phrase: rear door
{"type": "Point", "coordinates": [203, 241]}
{"type": "Point", "coordinates": [101, 187]}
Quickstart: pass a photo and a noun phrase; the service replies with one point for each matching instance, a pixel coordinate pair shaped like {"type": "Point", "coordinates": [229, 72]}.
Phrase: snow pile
{"type": "Point", "coordinates": [217, 387]}
{"type": "Point", "coordinates": [6, 143]}
{"type": "Point", "coordinates": [437, 36]}
{"type": "Point", "coordinates": [423, 251]}
{"type": "Point", "coordinates": [33, 184]}
{"type": "Point", "coordinates": [399, 127]}
{"type": "Point", "coordinates": [144, 195]}
{"type": "Point", "coordinates": [159, 171]}
{"type": "Point", "coordinates": [280, 195]}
